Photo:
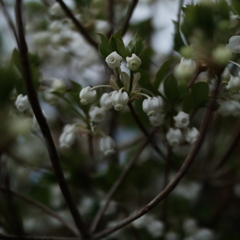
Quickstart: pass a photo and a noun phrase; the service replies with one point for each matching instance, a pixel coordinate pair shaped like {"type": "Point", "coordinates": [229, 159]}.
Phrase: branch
{"type": "Point", "coordinates": [180, 174]}
{"type": "Point", "coordinates": [32, 96]}
{"type": "Point", "coordinates": [116, 185]}
{"type": "Point", "coordinates": [78, 25]}
{"type": "Point", "coordinates": [143, 129]}
{"type": "Point", "coordinates": [110, 15]}
{"type": "Point", "coordinates": [40, 206]}
{"type": "Point", "coordinates": [128, 17]}
{"type": "Point", "coordinates": [9, 20]}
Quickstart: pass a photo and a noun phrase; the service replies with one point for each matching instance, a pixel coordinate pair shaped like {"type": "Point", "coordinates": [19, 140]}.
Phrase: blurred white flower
{"type": "Point", "coordinates": [113, 60]}
{"type": "Point", "coordinates": [86, 205]}
{"type": "Point", "coordinates": [59, 85]}
{"type": "Point", "coordinates": [119, 99]}
{"type": "Point", "coordinates": [221, 54]}
{"type": "Point", "coordinates": [185, 69]}
{"type": "Point", "coordinates": [142, 221]}
{"type": "Point", "coordinates": [174, 137]}
{"type": "Point", "coordinates": [68, 136]}
{"type": "Point", "coordinates": [50, 97]}
{"type": "Point", "coordinates": [191, 135]}
{"type": "Point", "coordinates": [133, 62]}
{"type": "Point", "coordinates": [156, 228]}
{"type": "Point", "coordinates": [226, 75]}
{"type": "Point", "coordinates": [87, 95]}
{"type": "Point", "coordinates": [229, 108]}
{"type": "Point", "coordinates": [152, 105]}
{"type": "Point", "coordinates": [204, 234]}
{"type": "Point", "coordinates": [107, 145]}
{"type": "Point", "coordinates": [106, 101]}
{"type": "Point", "coordinates": [157, 120]}
{"type": "Point", "coordinates": [233, 84]}
{"type": "Point", "coordinates": [171, 236]}
{"type": "Point", "coordinates": [56, 10]}
{"type": "Point", "coordinates": [97, 114]}
{"type": "Point", "coordinates": [190, 226]}
{"type": "Point", "coordinates": [234, 44]}
{"type": "Point", "coordinates": [181, 120]}
{"type": "Point", "coordinates": [22, 103]}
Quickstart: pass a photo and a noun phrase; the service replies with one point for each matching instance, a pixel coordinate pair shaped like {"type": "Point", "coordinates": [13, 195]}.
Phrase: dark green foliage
{"type": "Point", "coordinates": [171, 88]}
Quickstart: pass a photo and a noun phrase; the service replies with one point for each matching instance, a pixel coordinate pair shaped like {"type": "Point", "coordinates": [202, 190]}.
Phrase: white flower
{"type": "Point", "coordinates": [113, 60]}
{"type": "Point", "coordinates": [133, 63]}
{"type": "Point", "coordinates": [22, 103]}
{"type": "Point", "coordinates": [56, 10]}
{"type": "Point", "coordinates": [152, 105]}
{"type": "Point", "coordinates": [97, 114]}
{"type": "Point", "coordinates": [174, 137]}
{"type": "Point", "coordinates": [87, 95]}
{"type": "Point", "coordinates": [230, 107]}
{"type": "Point", "coordinates": [181, 120]}
{"type": "Point", "coordinates": [190, 226]}
{"type": "Point", "coordinates": [59, 86]}
{"type": "Point", "coordinates": [107, 145]}
{"type": "Point", "coordinates": [185, 69]}
{"type": "Point", "coordinates": [106, 101]}
{"type": "Point", "coordinates": [226, 75]}
{"type": "Point", "coordinates": [234, 44]}
{"type": "Point", "coordinates": [68, 136]}
{"type": "Point", "coordinates": [155, 228]}
{"type": "Point", "coordinates": [142, 221]}
{"type": "Point", "coordinates": [49, 97]}
{"type": "Point", "coordinates": [157, 120]}
{"type": "Point", "coordinates": [204, 234]}
{"type": "Point", "coordinates": [233, 84]}
{"type": "Point", "coordinates": [191, 135]}
{"type": "Point", "coordinates": [119, 99]}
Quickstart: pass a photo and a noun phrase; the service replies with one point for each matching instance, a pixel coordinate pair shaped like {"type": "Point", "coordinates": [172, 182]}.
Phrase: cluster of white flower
{"type": "Point", "coordinates": [182, 132]}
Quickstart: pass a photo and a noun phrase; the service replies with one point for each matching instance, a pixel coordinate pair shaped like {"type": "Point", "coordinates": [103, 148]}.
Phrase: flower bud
{"type": "Point", "coordinates": [191, 135]}
{"type": "Point", "coordinates": [152, 105]}
{"type": "Point", "coordinates": [113, 60]}
{"type": "Point", "coordinates": [181, 120]}
{"type": "Point", "coordinates": [49, 97]}
{"type": "Point", "coordinates": [226, 75]}
{"type": "Point", "coordinates": [107, 145]}
{"type": "Point", "coordinates": [133, 63]}
{"type": "Point", "coordinates": [22, 103]}
{"type": "Point", "coordinates": [234, 44]}
{"type": "Point", "coordinates": [68, 136]}
{"type": "Point", "coordinates": [185, 69]}
{"type": "Point", "coordinates": [174, 137]}
{"type": "Point", "coordinates": [87, 95]}
{"type": "Point", "coordinates": [106, 101]}
{"type": "Point", "coordinates": [233, 84]}
{"type": "Point", "coordinates": [97, 114]}
{"type": "Point", "coordinates": [119, 99]}
{"type": "Point", "coordinates": [221, 55]}
{"type": "Point", "coordinates": [59, 86]}
{"type": "Point", "coordinates": [157, 120]}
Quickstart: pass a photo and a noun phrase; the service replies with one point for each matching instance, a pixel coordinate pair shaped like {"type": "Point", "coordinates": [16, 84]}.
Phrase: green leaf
{"type": "Point", "coordinates": [17, 60]}
{"type": "Point", "coordinates": [200, 93]}
{"type": "Point", "coordinates": [121, 49]}
{"type": "Point", "coordinates": [236, 6]}
{"type": "Point", "coordinates": [114, 39]}
{"type": "Point", "coordinates": [162, 72]}
{"type": "Point", "coordinates": [135, 45]}
{"type": "Point", "coordinates": [188, 103]}
{"type": "Point", "coordinates": [104, 47]}
{"type": "Point", "coordinates": [171, 88]}
{"type": "Point", "coordinates": [145, 82]}
{"type": "Point", "coordinates": [76, 87]}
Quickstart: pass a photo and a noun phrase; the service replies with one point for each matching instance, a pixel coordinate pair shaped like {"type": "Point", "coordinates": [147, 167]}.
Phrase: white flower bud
{"type": "Point", "coordinates": [97, 114]}
{"type": "Point", "coordinates": [119, 99]}
{"type": "Point", "coordinates": [22, 103]}
{"type": "Point", "coordinates": [107, 145]}
{"type": "Point", "coordinates": [185, 69]}
{"type": "Point", "coordinates": [233, 84]}
{"type": "Point", "coordinates": [174, 137]}
{"type": "Point", "coordinates": [87, 95]}
{"type": "Point", "coordinates": [234, 44]}
{"type": "Point", "coordinates": [221, 55]}
{"type": "Point", "coordinates": [181, 120]}
{"type": "Point", "coordinates": [133, 63]}
{"type": "Point", "coordinates": [59, 86]}
{"type": "Point", "coordinates": [191, 135]}
{"type": "Point", "coordinates": [157, 120]}
{"type": "Point", "coordinates": [113, 60]}
{"type": "Point", "coordinates": [49, 97]}
{"type": "Point", "coordinates": [68, 136]}
{"type": "Point", "coordinates": [106, 101]}
{"type": "Point", "coordinates": [152, 105]}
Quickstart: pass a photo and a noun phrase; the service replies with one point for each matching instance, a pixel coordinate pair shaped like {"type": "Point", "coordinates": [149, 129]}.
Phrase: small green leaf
{"type": "Point", "coordinates": [162, 72]}
{"type": "Point", "coordinates": [145, 82]}
{"type": "Point", "coordinates": [135, 45]}
{"type": "Point", "coordinates": [104, 47]}
{"type": "Point", "coordinates": [121, 49]}
{"type": "Point", "coordinates": [188, 103]}
{"type": "Point", "coordinates": [171, 88]}
{"type": "Point", "coordinates": [200, 93]}
{"type": "Point", "coordinates": [76, 87]}
{"type": "Point", "coordinates": [114, 39]}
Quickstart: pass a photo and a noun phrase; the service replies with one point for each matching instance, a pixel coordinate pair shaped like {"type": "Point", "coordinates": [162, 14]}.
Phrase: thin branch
{"type": "Point", "coordinates": [110, 15]}
{"type": "Point", "coordinates": [32, 96]}
{"type": "Point", "coordinates": [180, 174]}
{"type": "Point", "coordinates": [9, 20]}
{"type": "Point", "coordinates": [78, 25]}
{"type": "Point", "coordinates": [128, 17]}
{"type": "Point", "coordinates": [143, 129]}
{"type": "Point", "coordinates": [116, 185]}
{"type": "Point", "coordinates": [42, 207]}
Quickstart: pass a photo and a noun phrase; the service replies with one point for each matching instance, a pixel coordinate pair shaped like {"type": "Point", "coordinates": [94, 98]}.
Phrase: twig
{"type": "Point", "coordinates": [32, 96]}
{"type": "Point", "coordinates": [116, 185]}
{"type": "Point", "coordinates": [143, 129]}
{"type": "Point", "coordinates": [42, 207]}
{"type": "Point", "coordinates": [78, 25]}
{"type": "Point", "coordinates": [9, 20]}
{"type": "Point", "coordinates": [180, 174]}
{"type": "Point", "coordinates": [110, 15]}
{"type": "Point", "coordinates": [128, 17]}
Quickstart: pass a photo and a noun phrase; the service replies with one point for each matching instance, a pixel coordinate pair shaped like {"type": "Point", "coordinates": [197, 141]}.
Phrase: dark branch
{"type": "Point", "coordinates": [78, 25]}
{"type": "Point", "coordinates": [110, 15]}
{"type": "Point", "coordinates": [40, 206]}
{"type": "Point", "coordinates": [32, 96]}
{"type": "Point", "coordinates": [128, 17]}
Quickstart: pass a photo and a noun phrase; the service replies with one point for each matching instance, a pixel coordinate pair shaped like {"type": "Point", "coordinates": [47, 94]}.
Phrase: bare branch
{"type": "Point", "coordinates": [128, 17]}
{"type": "Point", "coordinates": [110, 15]}
{"type": "Point", "coordinates": [42, 207]}
{"type": "Point", "coordinates": [78, 25]}
{"type": "Point", "coordinates": [32, 96]}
